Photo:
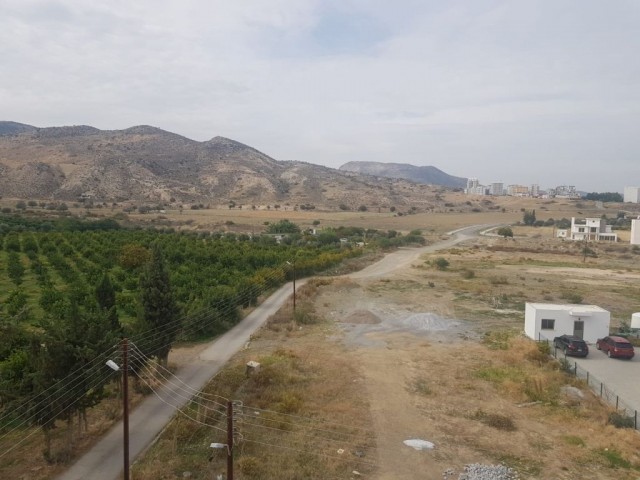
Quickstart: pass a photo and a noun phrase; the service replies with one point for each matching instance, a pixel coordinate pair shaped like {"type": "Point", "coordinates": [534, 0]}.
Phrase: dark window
{"type": "Point", "coordinates": [548, 324]}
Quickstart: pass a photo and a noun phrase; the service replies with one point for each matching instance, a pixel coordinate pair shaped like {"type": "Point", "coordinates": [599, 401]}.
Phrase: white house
{"type": "Point", "coordinates": [589, 229]}
{"type": "Point", "coordinates": [635, 231]}
{"type": "Point", "coordinates": [544, 321]}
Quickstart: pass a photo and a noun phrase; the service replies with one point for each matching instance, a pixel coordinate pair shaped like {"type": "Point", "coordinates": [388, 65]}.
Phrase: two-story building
{"type": "Point", "coordinates": [589, 229]}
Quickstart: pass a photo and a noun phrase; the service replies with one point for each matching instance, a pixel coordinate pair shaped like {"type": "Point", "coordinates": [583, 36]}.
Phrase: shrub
{"type": "Point", "coordinates": [498, 280]}
{"type": "Point", "coordinates": [441, 263]}
{"type": "Point", "coordinates": [572, 297]}
{"type": "Point", "coordinates": [468, 274]}
{"type": "Point", "coordinates": [620, 421]}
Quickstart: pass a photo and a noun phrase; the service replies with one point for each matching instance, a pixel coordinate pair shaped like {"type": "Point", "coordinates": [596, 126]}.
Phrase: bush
{"type": "Point", "coordinates": [572, 297]}
{"type": "Point", "coordinates": [498, 280]}
{"type": "Point", "coordinates": [468, 274]}
{"type": "Point", "coordinates": [441, 263]}
{"type": "Point", "coordinates": [620, 421]}
{"type": "Point", "coordinates": [505, 232]}
{"type": "Point", "coordinates": [362, 208]}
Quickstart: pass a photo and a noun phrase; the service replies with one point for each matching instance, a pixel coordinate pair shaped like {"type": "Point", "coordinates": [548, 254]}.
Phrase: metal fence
{"type": "Point", "coordinates": [595, 384]}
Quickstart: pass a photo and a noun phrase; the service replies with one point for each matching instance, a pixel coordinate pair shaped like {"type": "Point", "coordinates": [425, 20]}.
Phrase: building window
{"type": "Point", "coordinates": [548, 324]}
{"type": "Point", "coordinates": [581, 230]}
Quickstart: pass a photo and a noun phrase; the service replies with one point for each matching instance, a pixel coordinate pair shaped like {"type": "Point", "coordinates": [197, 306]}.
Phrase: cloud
{"type": "Point", "coordinates": [501, 90]}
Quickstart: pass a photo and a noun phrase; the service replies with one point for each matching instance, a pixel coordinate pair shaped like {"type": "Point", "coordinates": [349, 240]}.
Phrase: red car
{"type": "Point", "coordinates": [616, 347]}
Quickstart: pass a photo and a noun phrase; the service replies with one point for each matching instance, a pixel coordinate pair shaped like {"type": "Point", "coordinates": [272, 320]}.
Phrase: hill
{"type": "Point", "coordinates": [147, 164]}
{"type": "Point", "coordinates": [428, 174]}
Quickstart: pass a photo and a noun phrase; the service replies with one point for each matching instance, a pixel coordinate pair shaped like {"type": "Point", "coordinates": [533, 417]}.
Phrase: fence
{"type": "Point", "coordinates": [595, 384]}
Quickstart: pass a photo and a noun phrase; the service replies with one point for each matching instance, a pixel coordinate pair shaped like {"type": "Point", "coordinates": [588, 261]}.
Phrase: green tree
{"type": "Point", "coordinates": [283, 226]}
{"type": "Point", "coordinates": [159, 310]}
{"type": "Point", "coordinates": [106, 298]}
{"type": "Point", "coordinates": [505, 232]}
{"type": "Point", "coordinates": [529, 217]}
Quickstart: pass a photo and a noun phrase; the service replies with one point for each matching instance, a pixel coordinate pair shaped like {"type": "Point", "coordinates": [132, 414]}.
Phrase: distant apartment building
{"type": "Point", "coordinates": [590, 230]}
{"type": "Point", "coordinates": [474, 187]}
{"type": "Point", "coordinates": [635, 231]}
{"type": "Point", "coordinates": [496, 189]}
{"type": "Point", "coordinates": [518, 190]}
{"type": "Point", "coordinates": [631, 194]}
{"type": "Point", "coordinates": [534, 191]}
{"type": "Point", "coordinates": [564, 191]}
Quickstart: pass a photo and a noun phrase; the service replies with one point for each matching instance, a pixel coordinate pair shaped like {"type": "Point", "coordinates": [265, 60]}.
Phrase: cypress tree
{"type": "Point", "coordinates": [159, 309]}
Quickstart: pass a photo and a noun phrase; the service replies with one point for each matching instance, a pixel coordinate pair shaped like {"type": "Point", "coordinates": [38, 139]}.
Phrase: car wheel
{"type": "Point", "coordinates": [609, 353]}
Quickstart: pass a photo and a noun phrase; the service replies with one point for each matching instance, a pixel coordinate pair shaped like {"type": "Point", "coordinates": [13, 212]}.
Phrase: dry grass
{"type": "Point", "coordinates": [301, 419]}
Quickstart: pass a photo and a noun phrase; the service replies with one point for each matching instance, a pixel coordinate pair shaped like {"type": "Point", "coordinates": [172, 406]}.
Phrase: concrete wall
{"type": "Point", "coordinates": [635, 231]}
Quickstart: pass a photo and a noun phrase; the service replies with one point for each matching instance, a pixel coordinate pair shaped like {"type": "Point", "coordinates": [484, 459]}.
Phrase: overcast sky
{"type": "Point", "coordinates": [517, 91]}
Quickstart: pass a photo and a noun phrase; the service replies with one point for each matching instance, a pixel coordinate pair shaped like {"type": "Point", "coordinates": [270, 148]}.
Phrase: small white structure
{"type": "Point", "coordinates": [631, 194]}
{"type": "Point", "coordinates": [589, 229]}
{"type": "Point", "coordinates": [635, 231]}
{"type": "Point", "coordinates": [544, 321]}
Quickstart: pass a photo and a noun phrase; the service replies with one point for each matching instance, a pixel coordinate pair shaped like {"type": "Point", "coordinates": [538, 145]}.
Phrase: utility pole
{"type": "Point", "coordinates": [294, 290]}
{"type": "Point", "coordinates": [125, 404]}
{"type": "Point", "coordinates": [229, 440]}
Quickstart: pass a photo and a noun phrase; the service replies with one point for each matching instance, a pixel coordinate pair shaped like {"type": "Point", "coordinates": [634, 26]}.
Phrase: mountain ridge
{"type": "Point", "coordinates": [147, 164]}
{"type": "Point", "coordinates": [422, 174]}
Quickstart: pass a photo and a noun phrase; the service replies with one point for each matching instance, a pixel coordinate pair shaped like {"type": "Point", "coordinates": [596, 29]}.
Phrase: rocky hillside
{"type": "Point", "coordinates": [146, 164]}
{"type": "Point", "coordinates": [429, 175]}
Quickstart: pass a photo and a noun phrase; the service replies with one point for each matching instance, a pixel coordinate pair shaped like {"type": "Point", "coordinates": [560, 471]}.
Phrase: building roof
{"type": "Point", "coordinates": [573, 308]}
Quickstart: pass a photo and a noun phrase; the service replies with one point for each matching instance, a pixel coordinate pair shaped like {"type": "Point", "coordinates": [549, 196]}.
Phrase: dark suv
{"type": "Point", "coordinates": [571, 345]}
{"type": "Point", "coordinates": [615, 347]}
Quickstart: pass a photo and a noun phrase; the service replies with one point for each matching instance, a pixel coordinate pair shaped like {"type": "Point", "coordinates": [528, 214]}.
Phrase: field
{"type": "Point", "coordinates": [419, 353]}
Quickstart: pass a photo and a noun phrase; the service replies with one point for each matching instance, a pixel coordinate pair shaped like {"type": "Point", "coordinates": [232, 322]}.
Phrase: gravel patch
{"type": "Point", "coordinates": [478, 471]}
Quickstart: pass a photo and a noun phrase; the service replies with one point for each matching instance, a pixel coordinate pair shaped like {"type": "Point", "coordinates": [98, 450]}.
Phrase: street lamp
{"type": "Point", "coordinates": [125, 402]}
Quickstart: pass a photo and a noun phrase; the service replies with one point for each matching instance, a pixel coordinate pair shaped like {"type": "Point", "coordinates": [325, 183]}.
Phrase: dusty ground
{"type": "Point", "coordinates": [419, 349]}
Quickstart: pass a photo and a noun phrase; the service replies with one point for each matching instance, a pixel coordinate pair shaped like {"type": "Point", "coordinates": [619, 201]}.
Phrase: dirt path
{"type": "Point", "coordinates": [390, 340]}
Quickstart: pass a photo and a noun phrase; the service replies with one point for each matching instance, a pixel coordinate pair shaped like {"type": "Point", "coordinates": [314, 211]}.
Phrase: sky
{"type": "Point", "coordinates": [516, 91]}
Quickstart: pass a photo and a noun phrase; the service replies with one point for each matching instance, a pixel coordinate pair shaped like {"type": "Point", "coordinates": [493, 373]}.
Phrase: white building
{"type": "Point", "coordinates": [544, 321]}
{"type": "Point", "coordinates": [635, 231]}
{"type": "Point", "coordinates": [535, 190]}
{"type": "Point", "coordinates": [497, 189]}
{"type": "Point", "coordinates": [474, 187]}
{"type": "Point", "coordinates": [631, 194]}
{"type": "Point", "coordinates": [590, 230]}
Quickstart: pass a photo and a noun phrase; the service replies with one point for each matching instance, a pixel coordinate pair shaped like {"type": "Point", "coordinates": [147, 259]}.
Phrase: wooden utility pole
{"type": "Point", "coordinates": [229, 440]}
{"type": "Point", "coordinates": [125, 405]}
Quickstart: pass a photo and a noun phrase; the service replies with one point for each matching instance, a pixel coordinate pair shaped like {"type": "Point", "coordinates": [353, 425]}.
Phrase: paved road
{"type": "Point", "coordinates": [104, 460]}
{"type": "Point", "coordinates": [617, 374]}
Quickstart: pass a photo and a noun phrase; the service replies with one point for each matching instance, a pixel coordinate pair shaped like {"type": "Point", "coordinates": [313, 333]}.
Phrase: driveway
{"type": "Point", "coordinates": [617, 374]}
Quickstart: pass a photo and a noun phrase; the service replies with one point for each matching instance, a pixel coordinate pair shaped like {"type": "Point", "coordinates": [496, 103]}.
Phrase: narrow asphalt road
{"type": "Point", "coordinates": [104, 460]}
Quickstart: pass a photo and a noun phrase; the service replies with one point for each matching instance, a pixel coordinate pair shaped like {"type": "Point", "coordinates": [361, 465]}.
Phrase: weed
{"type": "Point", "coordinates": [613, 458]}
{"type": "Point", "coordinates": [421, 387]}
{"type": "Point", "coordinates": [574, 440]}
{"type": "Point", "coordinates": [498, 280]}
{"type": "Point", "coordinates": [431, 284]}
{"type": "Point", "coordinates": [495, 420]}
{"type": "Point", "coordinates": [468, 274]}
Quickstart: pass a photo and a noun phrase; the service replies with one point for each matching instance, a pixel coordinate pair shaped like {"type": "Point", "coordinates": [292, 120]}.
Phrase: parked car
{"type": "Point", "coordinates": [571, 345]}
{"type": "Point", "coordinates": [616, 347]}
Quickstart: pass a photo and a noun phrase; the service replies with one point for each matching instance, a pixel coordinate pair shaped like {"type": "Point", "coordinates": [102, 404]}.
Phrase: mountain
{"type": "Point", "coordinates": [429, 175]}
{"type": "Point", "coordinates": [14, 128]}
{"type": "Point", "coordinates": [147, 164]}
